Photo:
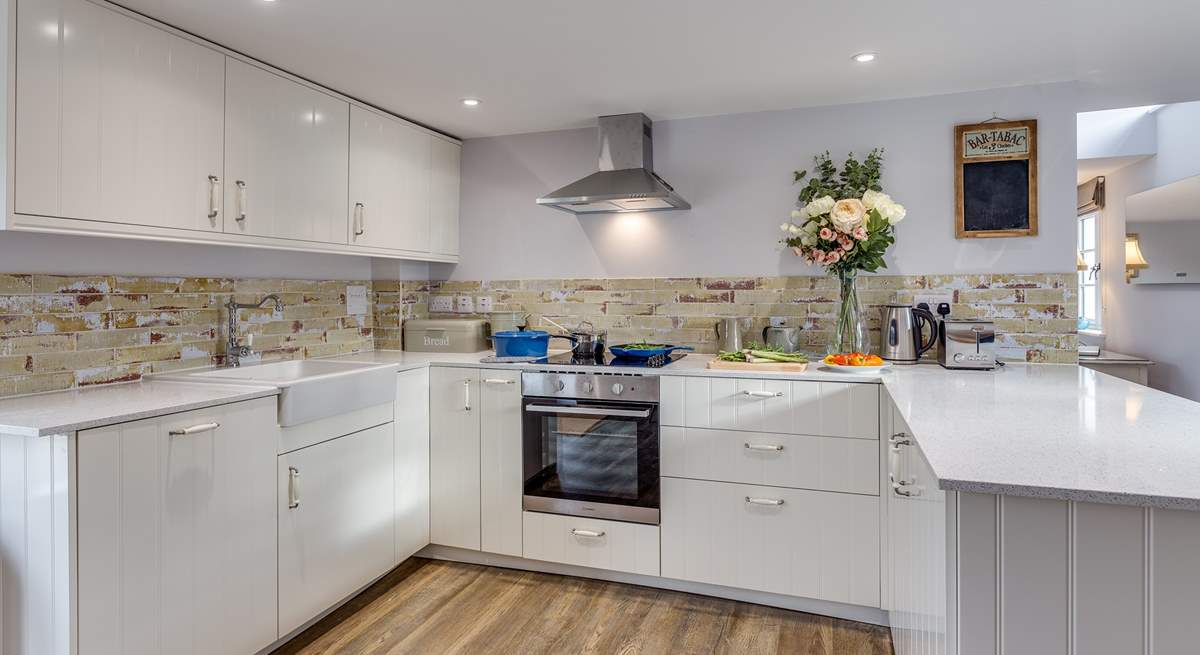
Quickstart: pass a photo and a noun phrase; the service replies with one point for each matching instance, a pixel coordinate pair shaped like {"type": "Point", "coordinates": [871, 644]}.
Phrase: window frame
{"type": "Point", "coordinates": [1089, 282]}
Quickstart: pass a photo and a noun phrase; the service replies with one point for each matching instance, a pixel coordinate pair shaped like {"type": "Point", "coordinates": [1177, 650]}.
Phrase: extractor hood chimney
{"type": "Point", "coordinates": [626, 181]}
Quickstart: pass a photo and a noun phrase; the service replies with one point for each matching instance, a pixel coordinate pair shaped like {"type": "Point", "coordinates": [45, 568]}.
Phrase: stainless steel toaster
{"type": "Point", "coordinates": [965, 343]}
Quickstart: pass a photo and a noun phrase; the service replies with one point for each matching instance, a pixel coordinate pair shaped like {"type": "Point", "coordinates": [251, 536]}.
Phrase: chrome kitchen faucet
{"type": "Point", "coordinates": [234, 351]}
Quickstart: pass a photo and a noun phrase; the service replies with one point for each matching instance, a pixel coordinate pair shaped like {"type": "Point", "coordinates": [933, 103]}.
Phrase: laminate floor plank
{"type": "Point", "coordinates": [431, 607]}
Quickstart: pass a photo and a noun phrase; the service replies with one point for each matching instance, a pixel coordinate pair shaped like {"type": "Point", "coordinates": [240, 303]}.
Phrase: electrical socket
{"type": "Point", "coordinates": [933, 299]}
{"type": "Point", "coordinates": [484, 304]}
{"type": "Point", "coordinates": [441, 304]}
{"type": "Point", "coordinates": [464, 305]}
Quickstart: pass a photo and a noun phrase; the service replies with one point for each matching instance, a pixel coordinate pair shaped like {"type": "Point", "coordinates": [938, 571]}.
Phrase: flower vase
{"type": "Point", "coordinates": [850, 331]}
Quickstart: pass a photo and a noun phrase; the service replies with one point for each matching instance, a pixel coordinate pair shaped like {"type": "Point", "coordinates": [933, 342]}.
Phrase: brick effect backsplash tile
{"type": "Point", "coordinates": [59, 332]}
{"type": "Point", "coordinates": [1034, 314]}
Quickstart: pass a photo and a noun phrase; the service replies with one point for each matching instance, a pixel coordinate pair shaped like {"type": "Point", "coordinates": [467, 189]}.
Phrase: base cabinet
{"type": "Point", "coordinates": [412, 462]}
{"type": "Point", "coordinates": [786, 541]}
{"type": "Point", "coordinates": [336, 521]}
{"type": "Point", "coordinates": [610, 545]}
{"type": "Point", "coordinates": [176, 534]}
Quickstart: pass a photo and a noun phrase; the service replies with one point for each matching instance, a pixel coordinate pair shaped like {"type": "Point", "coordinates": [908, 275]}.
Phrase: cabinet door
{"type": "Point", "coordinates": [336, 521]}
{"type": "Point", "coordinates": [443, 197]}
{"type": "Point", "coordinates": [118, 121]}
{"type": "Point", "coordinates": [454, 457]}
{"type": "Point", "coordinates": [412, 462]}
{"type": "Point", "coordinates": [389, 182]}
{"type": "Point", "coordinates": [176, 533]}
{"type": "Point", "coordinates": [286, 157]}
{"type": "Point", "coordinates": [787, 541]}
{"type": "Point", "coordinates": [501, 478]}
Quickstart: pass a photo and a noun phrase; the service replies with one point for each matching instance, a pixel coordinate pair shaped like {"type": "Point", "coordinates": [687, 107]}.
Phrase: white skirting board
{"type": "Point", "coordinates": [824, 608]}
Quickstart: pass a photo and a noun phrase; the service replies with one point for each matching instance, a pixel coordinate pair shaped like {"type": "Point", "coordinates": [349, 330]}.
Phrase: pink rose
{"type": "Point", "coordinates": [819, 256]}
{"type": "Point", "coordinates": [834, 257]}
{"type": "Point", "coordinates": [826, 234]}
{"type": "Point", "coordinates": [845, 242]}
{"type": "Point", "coordinates": [860, 233]}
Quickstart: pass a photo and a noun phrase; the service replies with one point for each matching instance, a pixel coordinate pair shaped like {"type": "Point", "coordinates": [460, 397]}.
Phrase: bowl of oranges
{"type": "Point", "coordinates": [855, 363]}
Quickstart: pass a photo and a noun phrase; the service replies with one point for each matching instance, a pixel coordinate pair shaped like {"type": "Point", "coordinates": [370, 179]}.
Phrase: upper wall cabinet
{"type": "Point", "coordinates": [118, 121]}
{"type": "Point", "coordinates": [389, 182]}
{"type": "Point", "coordinates": [443, 198]}
{"type": "Point", "coordinates": [285, 157]}
{"type": "Point", "coordinates": [125, 127]}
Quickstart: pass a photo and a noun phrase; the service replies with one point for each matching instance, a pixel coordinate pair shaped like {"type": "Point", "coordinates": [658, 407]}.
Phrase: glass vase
{"type": "Point", "coordinates": [850, 331]}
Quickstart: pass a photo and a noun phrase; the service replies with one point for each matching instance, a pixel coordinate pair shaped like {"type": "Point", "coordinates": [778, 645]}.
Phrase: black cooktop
{"type": "Point", "coordinates": [607, 359]}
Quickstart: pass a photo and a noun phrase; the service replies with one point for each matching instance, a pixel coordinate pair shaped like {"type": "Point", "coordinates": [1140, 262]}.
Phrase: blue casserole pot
{"type": "Point", "coordinates": [522, 343]}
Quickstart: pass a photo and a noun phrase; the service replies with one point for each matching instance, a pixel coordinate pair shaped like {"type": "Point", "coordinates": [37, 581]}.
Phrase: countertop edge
{"type": "Point", "coordinates": [1076, 495]}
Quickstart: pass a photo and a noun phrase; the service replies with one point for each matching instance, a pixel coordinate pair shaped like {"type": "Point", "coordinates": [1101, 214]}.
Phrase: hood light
{"type": "Point", "coordinates": [864, 57]}
{"type": "Point", "coordinates": [470, 102]}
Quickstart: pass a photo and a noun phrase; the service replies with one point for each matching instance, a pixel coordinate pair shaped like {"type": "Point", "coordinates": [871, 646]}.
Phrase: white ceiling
{"type": "Point", "coordinates": [554, 64]}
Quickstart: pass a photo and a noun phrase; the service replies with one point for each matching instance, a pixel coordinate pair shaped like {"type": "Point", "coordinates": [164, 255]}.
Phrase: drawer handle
{"type": "Point", "coordinates": [899, 439]}
{"type": "Point", "coordinates": [773, 502]}
{"type": "Point", "coordinates": [901, 489]}
{"type": "Point", "coordinates": [195, 429]}
{"type": "Point", "coordinates": [498, 381]}
{"type": "Point", "coordinates": [594, 534]}
{"type": "Point", "coordinates": [293, 487]}
{"type": "Point", "coordinates": [763, 394]}
{"type": "Point", "coordinates": [762, 446]}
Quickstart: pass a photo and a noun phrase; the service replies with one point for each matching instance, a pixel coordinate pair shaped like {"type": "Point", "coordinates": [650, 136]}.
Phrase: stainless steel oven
{"type": "Point", "coordinates": [590, 445]}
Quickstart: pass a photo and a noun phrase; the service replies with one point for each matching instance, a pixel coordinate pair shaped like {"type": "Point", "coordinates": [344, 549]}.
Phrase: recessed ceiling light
{"type": "Point", "coordinates": [470, 102]}
{"type": "Point", "coordinates": [864, 57]}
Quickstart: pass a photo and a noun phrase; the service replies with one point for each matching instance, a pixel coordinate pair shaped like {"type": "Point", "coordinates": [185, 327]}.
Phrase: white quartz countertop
{"type": "Point", "coordinates": [1053, 431]}
{"type": "Point", "coordinates": [68, 411]}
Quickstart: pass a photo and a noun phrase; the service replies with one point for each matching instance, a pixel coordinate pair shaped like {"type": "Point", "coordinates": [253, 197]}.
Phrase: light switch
{"type": "Point", "coordinates": [464, 305]}
{"type": "Point", "coordinates": [483, 304]}
{"type": "Point", "coordinates": [441, 304]}
{"type": "Point", "coordinates": [356, 300]}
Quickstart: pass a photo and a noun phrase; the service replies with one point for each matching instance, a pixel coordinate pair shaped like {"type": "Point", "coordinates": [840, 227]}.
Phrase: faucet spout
{"type": "Point", "coordinates": [234, 351]}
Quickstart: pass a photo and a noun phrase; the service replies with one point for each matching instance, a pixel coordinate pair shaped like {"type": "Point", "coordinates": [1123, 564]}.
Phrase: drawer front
{"type": "Point", "coordinates": [828, 409]}
{"type": "Point", "coordinates": [768, 458]}
{"type": "Point", "coordinates": [610, 545]}
{"type": "Point", "coordinates": [812, 544]}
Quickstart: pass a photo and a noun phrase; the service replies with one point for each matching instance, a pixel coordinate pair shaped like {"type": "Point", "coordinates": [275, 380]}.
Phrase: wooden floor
{"type": "Point", "coordinates": [429, 606]}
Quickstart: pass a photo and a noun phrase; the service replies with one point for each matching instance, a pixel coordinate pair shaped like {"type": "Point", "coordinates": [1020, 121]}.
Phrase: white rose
{"type": "Point", "coordinates": [798, 214]}
{"type": "Point", "coordinates": [819, 206]}
{"type": "Point", "coordinates": [812, 227]}
{"type": "Point", "coordinates": [875, 199]}
{"type": "Point", "coordinates": [785, 227]}
{"type": "Point", "coordinates": [847, 214]}
{"type": "Point", "coordinates": [894, 212]}
{"type": "Point", "coordinates": [808, 240]}
{"type": "Point", "coordinates": [795, 229]}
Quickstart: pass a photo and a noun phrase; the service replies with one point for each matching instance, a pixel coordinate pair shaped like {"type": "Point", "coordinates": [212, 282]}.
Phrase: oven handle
{"type": "Point", "coordinates": [588, 411]}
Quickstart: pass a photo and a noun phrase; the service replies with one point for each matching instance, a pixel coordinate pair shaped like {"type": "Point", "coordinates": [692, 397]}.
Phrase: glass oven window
{"type": "Point", "coordinates": [591, 456]}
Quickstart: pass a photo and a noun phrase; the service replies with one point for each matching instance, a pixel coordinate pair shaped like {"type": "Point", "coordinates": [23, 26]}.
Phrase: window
{"type": "Point", "coordinates": [1089, 279]}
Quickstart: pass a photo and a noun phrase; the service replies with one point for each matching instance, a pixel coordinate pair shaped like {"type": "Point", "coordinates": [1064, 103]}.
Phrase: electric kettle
{"type": "Point", "coordinates": [907, 332]}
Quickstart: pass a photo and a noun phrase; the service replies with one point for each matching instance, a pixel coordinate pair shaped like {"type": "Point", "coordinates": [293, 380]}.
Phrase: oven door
{"type": "Point", "coordinates": [591, 458]}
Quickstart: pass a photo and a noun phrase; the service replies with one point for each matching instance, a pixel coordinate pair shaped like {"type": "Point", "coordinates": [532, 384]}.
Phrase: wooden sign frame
{"type": "Point", "coordinates": [995, 141]}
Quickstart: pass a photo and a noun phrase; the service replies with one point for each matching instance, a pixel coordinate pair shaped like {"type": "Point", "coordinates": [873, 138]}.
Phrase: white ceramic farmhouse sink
{"type": "Point", "coordinates": [311, 389]}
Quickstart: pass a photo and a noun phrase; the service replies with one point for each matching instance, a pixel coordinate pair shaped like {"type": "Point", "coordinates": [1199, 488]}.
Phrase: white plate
{"type": "Point", "coordinates": [856, 369]}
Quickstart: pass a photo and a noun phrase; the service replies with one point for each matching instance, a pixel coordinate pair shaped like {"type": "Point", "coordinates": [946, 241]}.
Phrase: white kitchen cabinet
{"type": "Point", "coordinates": [412, 462]}
{"type": "Point", "coordinates": [118, 121]}
{"type": "Point", "coordinates": [454, 457]}
{"type": "Point", "coordinates": [286, 157]}
{"type": "Point", "coordinates": [830, 409]}
{"type": "Point", "coordinates": [176, 533]}
{"type": "Point", "coordinates": [389, 182]}
{"type": "Point", "coordinates": [595, 543]}
{"type": "Point", "coordinates": [787, 541]}
{"type": "Point", "coordinates": [444, 185]}
{"type": "Point", "coordinates": [501, 479]}
{"type": "Point", "coordinates": [336, 521]}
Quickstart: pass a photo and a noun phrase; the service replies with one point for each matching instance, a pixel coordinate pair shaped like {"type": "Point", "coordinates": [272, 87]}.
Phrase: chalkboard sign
{"type": "Point", "coordinates": [995, 179]}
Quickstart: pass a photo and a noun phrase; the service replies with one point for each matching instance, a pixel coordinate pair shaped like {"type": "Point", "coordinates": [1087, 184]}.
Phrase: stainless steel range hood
{"type": "Point", "coordinates": [626, 181]}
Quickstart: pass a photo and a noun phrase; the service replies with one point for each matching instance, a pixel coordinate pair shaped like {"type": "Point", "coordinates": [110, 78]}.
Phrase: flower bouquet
{"type": "Point", "coordinates": [845, 223]}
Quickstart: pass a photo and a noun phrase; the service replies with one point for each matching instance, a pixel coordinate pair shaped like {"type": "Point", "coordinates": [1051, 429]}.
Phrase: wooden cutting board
{"type": "Point", "coordinates": [773, 367]}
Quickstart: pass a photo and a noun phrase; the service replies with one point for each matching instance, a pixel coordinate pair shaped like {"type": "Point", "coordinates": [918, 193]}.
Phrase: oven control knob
{"type": "Point", "coordinates": [588, 387]}
{"type": "Point", "coordinates": [618, 388]}
{"type": "Point", "coordinates": [560, 385]}
{"type": "Point", "coordinates": [958, 357]}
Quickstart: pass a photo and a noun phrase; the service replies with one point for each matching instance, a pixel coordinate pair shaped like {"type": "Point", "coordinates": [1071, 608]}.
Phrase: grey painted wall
{"type": "Point", "coordinates": [736, 172]}
{"type": "Point", "coordinates": [1154, 321]}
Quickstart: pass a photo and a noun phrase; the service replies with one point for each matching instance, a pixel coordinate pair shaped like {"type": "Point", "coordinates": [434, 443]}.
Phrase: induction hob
{"type": "Point", "coordinates": [607, 359]}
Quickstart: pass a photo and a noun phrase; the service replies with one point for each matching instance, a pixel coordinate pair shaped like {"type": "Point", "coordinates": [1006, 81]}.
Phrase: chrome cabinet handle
{"type": "Point", "coordinates": [765, 447]}
{"type": "Point", "coordinates": [293, 487]}
{"type": "Point", "coordinates": [772, 502]}
{"type": "Point", "coordinates": [498, 381]}
{"type": "Point", "coordinates": [899, 439]}
{"type": "Point", "coordinates": [595, 534]}
{"type": "Point", "coordinates": [214, 195]}
{"type": "Point", "coordinates": [900, 489]}
{"type": "Point", "coordinates": [241, 200]}
{"type": "Point", "coordinates": [194, 429]}
{"type": "Point", "coordinates": [360, 221]}
{"type": "Point", "coordinates": [763, 394]}
{"type": "Point", "coordinates": [587, 411]}
{"type": "Point", "coordinates": [467, 395]}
